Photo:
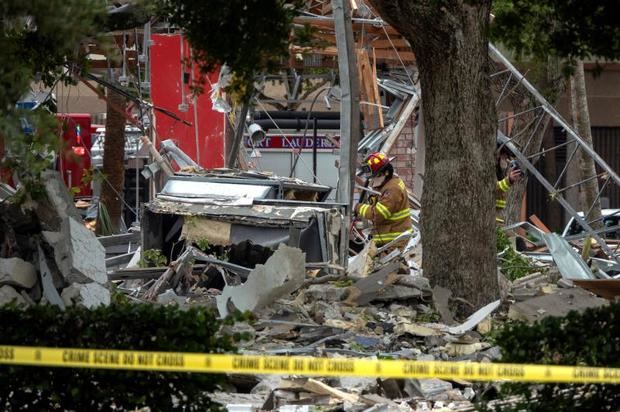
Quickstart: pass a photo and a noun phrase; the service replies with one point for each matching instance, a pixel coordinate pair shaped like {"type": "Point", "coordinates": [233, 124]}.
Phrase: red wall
{"type": "Point", "coordinates": [166, 86]}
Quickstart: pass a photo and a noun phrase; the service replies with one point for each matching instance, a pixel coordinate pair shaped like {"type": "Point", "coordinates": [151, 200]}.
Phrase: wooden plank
{"type": "Point", "coordinates": [402, 120]}
{"type": "Point", "coordinates": [375, 89]}
{"type": "Point", "coordinates": [605, 288]}
{"type": "Point", "coordinates": [405, 56]}
{"type": "Point", "coordinates": [386, 44]}
{"type": "Point", "coordinates": [539, 224]}
{"type": "Point", "coordinates": [366, 94]}
{"type": "Point", "coordinates": [329, 24]}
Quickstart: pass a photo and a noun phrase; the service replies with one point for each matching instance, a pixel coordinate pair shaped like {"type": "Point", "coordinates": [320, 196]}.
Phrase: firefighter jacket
{"type": "Point", "coordinates": [389, 212]}
{"type": "Point", "coordinates": [501, 188]}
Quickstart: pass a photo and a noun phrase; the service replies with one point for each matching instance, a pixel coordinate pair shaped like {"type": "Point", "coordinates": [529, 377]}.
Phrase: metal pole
{"type": "Point", "coordinates": [234, 151]}
{"type": "Point", "coordinates": [314, 153]}
{"type": "Point", "coordinates": [349, 111]}
{"type": "Point", "coordinates": [555, 115]}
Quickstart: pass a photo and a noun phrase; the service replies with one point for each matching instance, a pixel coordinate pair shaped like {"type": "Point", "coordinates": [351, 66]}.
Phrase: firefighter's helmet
{"type": "Point", "coordinates": [376, 163]}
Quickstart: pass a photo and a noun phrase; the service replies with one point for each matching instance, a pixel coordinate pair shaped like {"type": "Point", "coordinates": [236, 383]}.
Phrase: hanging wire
{"type": "Point", "coordinates": [393, 47]}
{"type": "Point", "coordinates": [287, 140]}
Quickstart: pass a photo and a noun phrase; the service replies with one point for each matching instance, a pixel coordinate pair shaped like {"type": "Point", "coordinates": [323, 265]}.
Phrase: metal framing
{"type": "Point", "coordinates": [532, 110]}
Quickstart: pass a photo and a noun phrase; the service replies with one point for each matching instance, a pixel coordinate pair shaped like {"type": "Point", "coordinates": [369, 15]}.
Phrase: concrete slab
{"type": "Point", "coordinates": [17, 272]}
{"type": "Point", "coordinates": [90, 295]}
{"type": "Point", "coordinates": [557, 304]}
{"type": "Point", "coordinates": [283, 273]}
{"type": "Point", "coordinates": [80, 257]}
{"type": "Point", "coordinates": [8, 295]}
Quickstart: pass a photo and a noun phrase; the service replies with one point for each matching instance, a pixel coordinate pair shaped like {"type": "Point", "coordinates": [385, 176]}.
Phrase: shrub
{"type": "Point", "coordinates": [512, 264]}
{"type": "Point", "coordinates": [119, 326]}
{"type": "Point", "coordinates": [590, 338]}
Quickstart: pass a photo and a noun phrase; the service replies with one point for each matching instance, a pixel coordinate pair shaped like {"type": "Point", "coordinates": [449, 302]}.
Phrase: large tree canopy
{"type": "Point", "coordinates": [572, 29]}
{"type": "Point", "coordinates": [247, 35]}
{"type": "Point", "coordinates": [38, 38]}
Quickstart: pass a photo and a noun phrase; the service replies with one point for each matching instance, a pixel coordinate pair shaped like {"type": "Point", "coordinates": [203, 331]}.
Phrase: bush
{"type": "Point", "coordinates": [590, 338]}
{"type": "Point", "coordinates": [119, 326]}
{"type": "Point", "coordinates": [512, 264]}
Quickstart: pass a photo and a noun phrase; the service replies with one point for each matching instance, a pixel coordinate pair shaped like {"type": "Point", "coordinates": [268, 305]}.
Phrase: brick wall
{"type": "Point", "coordinates": [404, 164]}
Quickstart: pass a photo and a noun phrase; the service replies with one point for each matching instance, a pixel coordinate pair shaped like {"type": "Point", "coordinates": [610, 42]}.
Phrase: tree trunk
{"type": "Point", "coordinates": [573, 195]}
{"type": "Point", "coordinates": [458, 203]}
{"type": "Point", "coordinates": [113, 161]}
{"type": "Point", "coordinates": [589, 189]}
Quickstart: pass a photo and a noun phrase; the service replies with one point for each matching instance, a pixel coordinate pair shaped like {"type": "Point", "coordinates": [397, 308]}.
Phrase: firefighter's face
{"type": "Point", "coordinates": [377, 180]}
{"type": "Point", "coordinates": [504, 160]}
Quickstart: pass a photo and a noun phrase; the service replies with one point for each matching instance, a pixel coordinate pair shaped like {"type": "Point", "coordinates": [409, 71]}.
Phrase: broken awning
{"type": "Point", "coordinates": [215, 193]}
{"type": "Point", "coordinates": [267, 215]}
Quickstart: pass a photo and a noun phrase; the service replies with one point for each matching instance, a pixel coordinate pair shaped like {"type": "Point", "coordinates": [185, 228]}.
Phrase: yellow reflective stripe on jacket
{"type": "Point", "coordinates": [499, 220]}
{"type": "Point", "coordinates": [500, 203]}
{"type": "Point", "coordinates": [401, 214]}
{"type": "Point", "coordinates": [385, 212]}
{"type": "Point", "coordinates": [503, 185]}
{"type": "Point", "coordinates": [363, 209]}
{"type": "Point", "coordinates": [386, 237]}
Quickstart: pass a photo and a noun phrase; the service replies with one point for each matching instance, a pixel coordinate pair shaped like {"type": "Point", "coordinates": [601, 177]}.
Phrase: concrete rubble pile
{"type": "Point", "coordinates": [381, 307]}
{"type": "Point", "coordinates": [47, 255]}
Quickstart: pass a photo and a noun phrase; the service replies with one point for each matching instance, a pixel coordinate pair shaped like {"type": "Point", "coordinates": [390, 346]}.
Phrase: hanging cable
{"type": "Point", "coordinates": [286, 139]}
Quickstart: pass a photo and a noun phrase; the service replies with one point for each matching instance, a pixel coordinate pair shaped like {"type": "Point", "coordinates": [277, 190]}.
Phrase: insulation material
{"type": "Point", "coordinates": [215, 232]}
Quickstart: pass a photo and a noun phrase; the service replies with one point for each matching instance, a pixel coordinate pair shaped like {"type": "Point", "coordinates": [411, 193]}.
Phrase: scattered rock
{"type": "Point", "coordinates": [59, 207]}
{"type": "Point", "coordinates": [397, 292]}
{"type": "Point", "coordinates": [565, 283]}
{"type": "Point", "coordinates": [441, 300]}
{"type": "Point", "coordinates": [169, 297]}
{"type": "Point", "coordinates": [522, 294]}
{"type": "Point", "coordinates": [416, 330]}
{"type": "Point", "coordinates": [464, 349]}
{"type": "Point", "coordinates": [427, 388]}
{"type": "Point", "coordinates": [89, 295]}
{"type": "Point", "coordinates": [80, 257]}
{"type": "Point", "coordinates": [8, 295]}
{"type": "Point", "coordinates": [17, 272]}
{"type": "Point", "coordinates": [325, 293]}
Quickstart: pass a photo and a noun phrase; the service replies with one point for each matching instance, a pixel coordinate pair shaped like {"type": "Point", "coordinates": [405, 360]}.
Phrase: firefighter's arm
{"type": "Point", "coordinates": [503, 184]}
{"type": "Point", "coordinates": [382, 210]}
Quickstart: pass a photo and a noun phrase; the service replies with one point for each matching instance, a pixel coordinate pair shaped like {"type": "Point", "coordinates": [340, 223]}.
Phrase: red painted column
{"type": "Point", "coordinates": [171, 80]}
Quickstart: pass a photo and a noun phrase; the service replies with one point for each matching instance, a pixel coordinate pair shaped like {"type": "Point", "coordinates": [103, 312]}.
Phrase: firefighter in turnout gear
{"type": "Point", "coordinates": [508, 173]}
{"type": "Point", "coordinates": [388, 211]}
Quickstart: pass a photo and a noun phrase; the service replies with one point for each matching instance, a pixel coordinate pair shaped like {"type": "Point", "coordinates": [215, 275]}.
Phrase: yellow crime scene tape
{"type": "Point", "coordinates": [300, 365]}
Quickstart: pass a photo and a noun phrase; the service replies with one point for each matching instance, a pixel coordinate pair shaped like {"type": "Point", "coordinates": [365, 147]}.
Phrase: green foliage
{"type": "Point", "coordinates": [429, 317]}
{"type": "Point", "coordinates": [343, 283]}
{"type": "Point", "coordinates": [203, 244]}
{"type": "Point", "coordinates": [104, 222]}
{"type": "Point", "coordinates": [569, 29]}
{"type": "Point", "coordinates": [512, 263]}
{"type": "Point", "coordinates": [37, 39]}
{"type": "Point", "coordinates": [119, 326]}
{"type": "Point", "coordinates": [152, 258]}
{"type": "Point", "coordinates": [247, 35]}
{"type": "Point", "coordinates": [29, 155]}
{"type": "Point", "coordinates": [591, 338]}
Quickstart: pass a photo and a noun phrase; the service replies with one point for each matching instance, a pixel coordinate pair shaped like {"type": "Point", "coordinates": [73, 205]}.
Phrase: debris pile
{"type": "Point", "coordinates": [47, 255]}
